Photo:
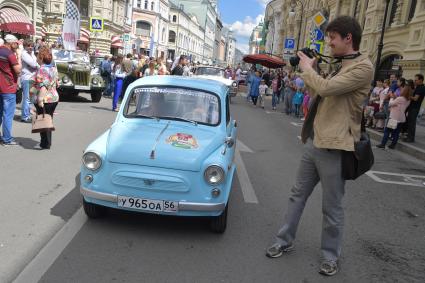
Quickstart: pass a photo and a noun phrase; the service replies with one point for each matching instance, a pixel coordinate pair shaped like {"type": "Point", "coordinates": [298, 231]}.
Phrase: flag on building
{"type": "Point", "coordinates": [71, 26]}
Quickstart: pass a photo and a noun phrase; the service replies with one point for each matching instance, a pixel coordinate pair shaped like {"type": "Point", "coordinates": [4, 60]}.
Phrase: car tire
{"type": "Point", "coordinates": [93, 210]}
{"type": "Point", "coordinates": [96, 96]}
{"type": "Point", "coordinates": [218, 224]}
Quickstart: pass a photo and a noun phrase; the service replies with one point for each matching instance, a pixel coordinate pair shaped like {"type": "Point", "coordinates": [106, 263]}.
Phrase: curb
{"type": "Point", "coordinates": [401, 146]}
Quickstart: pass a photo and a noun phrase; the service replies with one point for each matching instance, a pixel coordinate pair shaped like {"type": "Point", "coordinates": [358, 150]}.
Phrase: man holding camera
{"type": "Point", "coordinates": [333, 125]}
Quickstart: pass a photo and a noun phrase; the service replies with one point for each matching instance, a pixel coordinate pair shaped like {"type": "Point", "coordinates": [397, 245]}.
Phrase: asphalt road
{"type": "Point", "coordinates": [384, 235]}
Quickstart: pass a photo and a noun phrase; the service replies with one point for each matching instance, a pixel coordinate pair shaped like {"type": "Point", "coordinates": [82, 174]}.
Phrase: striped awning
{"type": "Point", "coordinates": [14, 21]}
{"type": "Point", "coordinates": [43, 31]}
{"type": "Point", "coordinates": [116, 42]}
{"type": "Point", "coordinates": [84, 36]}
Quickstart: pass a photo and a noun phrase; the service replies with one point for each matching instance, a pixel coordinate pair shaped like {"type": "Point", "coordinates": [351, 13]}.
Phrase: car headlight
{"type": "Point", "coordinates": [95, 81]}
{"type": "Point", "coordinates": [214, 175]}
{"type": "Point", "coordinates": [92, 160]}
{"type": "Point", "coordinates": [65, 79]}
{"type": "Point", "coordinates": [234, 84]}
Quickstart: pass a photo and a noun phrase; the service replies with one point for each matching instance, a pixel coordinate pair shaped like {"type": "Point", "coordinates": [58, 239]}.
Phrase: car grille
{"type": "Point", "coordinates": [150, 182]}
{"type": "Point", "coordinates": [81, 78]}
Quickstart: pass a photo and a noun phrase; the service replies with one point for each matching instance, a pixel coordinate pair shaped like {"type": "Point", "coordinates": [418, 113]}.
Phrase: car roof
{"type": "Point", "coordinates": [180, 81]}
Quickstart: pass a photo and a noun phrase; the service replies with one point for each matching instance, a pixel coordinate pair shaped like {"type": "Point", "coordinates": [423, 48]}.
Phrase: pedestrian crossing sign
{"type": "Point", "coordinates": [96, 24]}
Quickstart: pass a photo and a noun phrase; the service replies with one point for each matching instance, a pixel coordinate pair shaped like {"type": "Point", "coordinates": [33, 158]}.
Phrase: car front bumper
{"type": "Point", "coordinates": [191, 207]}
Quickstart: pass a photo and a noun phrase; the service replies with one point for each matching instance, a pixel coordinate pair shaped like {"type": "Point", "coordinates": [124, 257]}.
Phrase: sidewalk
{"type": "Point", "coordinates": [415, 149]}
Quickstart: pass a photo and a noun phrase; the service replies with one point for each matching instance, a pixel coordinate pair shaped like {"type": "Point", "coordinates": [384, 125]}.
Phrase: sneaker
{"type": "Point", "coordinates": [28, 121]}
{"type": "Point", "coordinates": [38, 147]}
{"type": "Point", "coordinates": [328, 268]}
{"type": "Point", "coordinates": [12, 143]}
{"type": "Point", "coordinates": [392, 146]}
{"type": "Point", "coordinates": [277, 250]}
{"type": "Point", "coordinates": [380, 146]}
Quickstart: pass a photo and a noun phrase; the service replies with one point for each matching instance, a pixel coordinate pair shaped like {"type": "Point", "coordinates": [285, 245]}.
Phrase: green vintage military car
{"type": "Point", "coordinates": [76, 74]}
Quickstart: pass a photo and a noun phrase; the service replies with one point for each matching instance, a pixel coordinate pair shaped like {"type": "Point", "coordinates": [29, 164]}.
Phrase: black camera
{"type": "Point", "coordinates": [295, 60]}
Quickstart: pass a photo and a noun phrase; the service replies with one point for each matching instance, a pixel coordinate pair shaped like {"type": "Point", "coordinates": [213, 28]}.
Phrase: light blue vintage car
{"type": "Point", "coordinates": [170, 151]}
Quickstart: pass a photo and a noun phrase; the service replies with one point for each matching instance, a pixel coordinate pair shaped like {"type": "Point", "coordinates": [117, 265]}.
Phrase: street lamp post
{"type": "Point", "coordinates": [292, 12]}
{"type": "Point", "coordinates": [381, 43]}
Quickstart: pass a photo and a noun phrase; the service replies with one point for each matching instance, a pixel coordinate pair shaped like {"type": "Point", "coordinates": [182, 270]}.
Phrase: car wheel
{"type": "Point", "coordinates": [218, 223]}
{"type": "Point", "coordinates": [96, 96]}
{"type": "Point", "coordinates": [93, 210]}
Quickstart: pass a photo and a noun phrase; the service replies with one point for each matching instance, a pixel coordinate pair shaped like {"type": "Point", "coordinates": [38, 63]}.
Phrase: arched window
{"type": "Point", "coordinates": [143, 28]}
{"type": "Point", "coordinates": [146, 4]}
{"type": "Point", "coordinates": [152, 5]}
{"type": "Point", "coordinates": [171, 36]}
{"type": "Point", "coordinates": [174, 18]}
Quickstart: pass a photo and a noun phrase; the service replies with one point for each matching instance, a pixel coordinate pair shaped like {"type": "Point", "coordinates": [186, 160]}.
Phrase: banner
{"type": "Point", "coordinates": [71, 26]}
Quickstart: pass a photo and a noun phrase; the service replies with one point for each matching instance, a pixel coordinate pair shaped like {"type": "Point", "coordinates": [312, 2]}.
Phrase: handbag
{"type": "Point", "coordinates": [356, 163]}
{"type": "Point", "coordinates": [42, 123]}
{"type": "Point", "coordinates": [392, 123]}
{"type": "Point", "coordinates": [380, 115]}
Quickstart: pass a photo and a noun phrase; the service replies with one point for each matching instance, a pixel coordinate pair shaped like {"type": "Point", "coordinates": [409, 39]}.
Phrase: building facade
{"type": "Point", "coordinates": [186, 34]}
{"type": "Point", "coordinates": [404, 40]}
{"type": "Point", "coordinates": [255, 39]}
{"type": "Point", "coordinates": [150, 28]}
{"type": "Point", "coordinates": [115, 13]}
{"type": "Point", "coordinates": [273, 21]}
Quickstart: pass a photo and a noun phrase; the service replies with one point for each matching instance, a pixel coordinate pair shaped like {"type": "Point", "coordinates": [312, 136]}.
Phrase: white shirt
{"type": "Point", "coordinates": [263, 88]}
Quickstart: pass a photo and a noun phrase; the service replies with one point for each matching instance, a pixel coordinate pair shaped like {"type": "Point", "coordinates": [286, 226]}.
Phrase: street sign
{"type": "Point", "coordinates": [318, 34]}
{"type": "Point", "coordinates": [96, 24]}
{"type": "Point", "coordinates": [289, 43]}
{"type": "Point", "coordinates": [319, 19]}
{"type": "Point", "coordinates": [318, 46]}
{"type": "Point", "coordinates": [126, 37]}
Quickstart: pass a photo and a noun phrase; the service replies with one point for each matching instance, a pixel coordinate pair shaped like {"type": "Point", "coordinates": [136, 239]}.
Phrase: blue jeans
{"type": "Point", "coordinates": [394, 133]}
{"type": "Point", "coordinates": [275, 99]}
{"type": "Point", "coordinates": [7, 111]}
{"type": "Point", "coordinates": [117, 92]}
{"type": "Point", "coordinates": [26, 104]}
{"type": "Point", "coordinates": [109, 85]}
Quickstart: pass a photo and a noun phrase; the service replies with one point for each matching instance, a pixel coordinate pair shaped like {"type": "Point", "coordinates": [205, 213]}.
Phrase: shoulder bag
{"type": "Point", "coordinates": [356, 163]}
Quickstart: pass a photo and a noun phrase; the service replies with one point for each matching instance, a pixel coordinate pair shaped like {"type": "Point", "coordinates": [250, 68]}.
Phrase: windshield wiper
{"type": "Point", "coordinates": [143, 116]}
{"type": "Point", "coordinates": [180, 119]}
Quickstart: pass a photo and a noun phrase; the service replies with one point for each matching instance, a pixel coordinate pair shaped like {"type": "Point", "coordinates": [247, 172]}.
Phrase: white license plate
{"type": "Point", "coordinates": [82, 87]}
{"type": "Point", "coordinates": [148, 204]}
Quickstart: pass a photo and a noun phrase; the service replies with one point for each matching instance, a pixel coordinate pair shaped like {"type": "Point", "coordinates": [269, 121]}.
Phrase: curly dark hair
{"type": "Point", "coordinates": [345, 25]}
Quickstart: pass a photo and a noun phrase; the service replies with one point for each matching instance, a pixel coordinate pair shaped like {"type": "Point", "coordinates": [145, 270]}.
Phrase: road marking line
{"type": "Point", "coordinates": [296, 124]}
{"type": "Point", "coordinates": [408, 179]}
{"type": "Point", "coordinates": [50, 252]}
{"type": "Point", "coordinates": [246, 185]}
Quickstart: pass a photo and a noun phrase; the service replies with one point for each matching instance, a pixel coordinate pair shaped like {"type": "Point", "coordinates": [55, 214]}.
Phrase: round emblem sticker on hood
{"type": "Point", "coordinates": [184, 141]}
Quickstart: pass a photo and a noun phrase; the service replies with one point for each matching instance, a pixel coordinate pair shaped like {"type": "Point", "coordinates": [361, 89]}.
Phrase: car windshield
{"type": "Point", "coordinates": [172, 103]}
{"type": "Point", "coordinates": [209, 71]}
{"type": "Point", "coordinates": [66, 55]}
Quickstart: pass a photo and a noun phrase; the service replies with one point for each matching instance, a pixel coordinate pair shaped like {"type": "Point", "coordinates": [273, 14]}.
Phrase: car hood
{"type": "Point", "coordinates": [216, 78]}
{"type": "Point", "coordinates": [180, 146]}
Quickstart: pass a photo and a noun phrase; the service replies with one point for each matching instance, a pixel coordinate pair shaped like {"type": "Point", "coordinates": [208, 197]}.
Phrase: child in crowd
{"type": "Point", "coordinates": [382, 115]}
{"type": "Point", "coordinates": [297, 101]}
{"type": "Point", "coordinates": [262, 89]}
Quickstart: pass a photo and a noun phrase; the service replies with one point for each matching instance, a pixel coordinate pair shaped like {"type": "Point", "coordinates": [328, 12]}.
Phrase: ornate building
{"type": "Point", "coordinates": [404, 40]}
{"type": "Point", "coordinates": [32, 9]}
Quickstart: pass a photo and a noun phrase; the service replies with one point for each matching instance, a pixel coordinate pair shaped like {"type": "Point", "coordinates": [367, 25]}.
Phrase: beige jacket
{"type": "Point", "coordinates": [339, 113]}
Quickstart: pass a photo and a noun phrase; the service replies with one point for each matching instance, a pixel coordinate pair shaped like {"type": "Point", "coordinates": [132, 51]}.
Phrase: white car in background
{"type": "Point", "coordinates": [217, 74]}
